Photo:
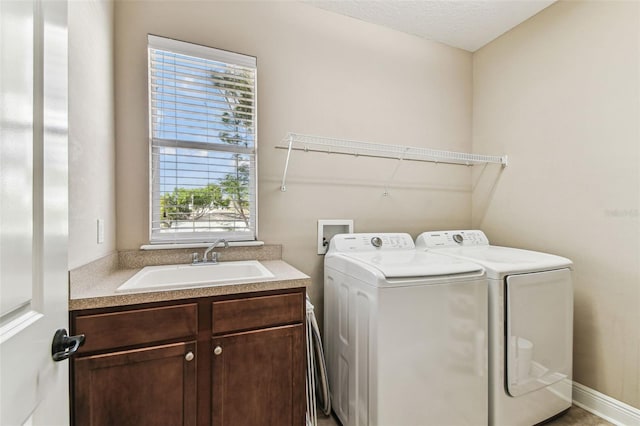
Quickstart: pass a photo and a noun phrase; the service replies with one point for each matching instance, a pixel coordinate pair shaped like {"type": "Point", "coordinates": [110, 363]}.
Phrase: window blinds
{"type": "Point", "coordinates": [202, 115]}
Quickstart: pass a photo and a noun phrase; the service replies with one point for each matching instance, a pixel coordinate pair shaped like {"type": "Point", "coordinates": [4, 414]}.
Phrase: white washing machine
{"type": "Point", "coordinates": [405, 334]}
{"type": "Point", "coordinates": [530, 325]}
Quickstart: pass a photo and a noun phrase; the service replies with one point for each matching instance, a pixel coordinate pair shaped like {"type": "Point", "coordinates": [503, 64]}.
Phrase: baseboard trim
{"type": "Point", "coordinates": [604, 406]}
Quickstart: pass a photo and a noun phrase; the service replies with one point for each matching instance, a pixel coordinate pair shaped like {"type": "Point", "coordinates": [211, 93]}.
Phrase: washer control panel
{"type": "Point", "coordinates": [371, 242]}
{"type": "Point", "coordinates": [440, 239]}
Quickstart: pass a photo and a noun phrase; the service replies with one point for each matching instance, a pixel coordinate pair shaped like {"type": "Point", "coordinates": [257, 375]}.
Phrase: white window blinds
{"type": "Point", "coordinates": [202, 108]}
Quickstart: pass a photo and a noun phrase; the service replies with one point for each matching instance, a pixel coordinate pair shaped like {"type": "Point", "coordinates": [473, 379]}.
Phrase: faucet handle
{"type": "Point", "coordinates": [195, 257]}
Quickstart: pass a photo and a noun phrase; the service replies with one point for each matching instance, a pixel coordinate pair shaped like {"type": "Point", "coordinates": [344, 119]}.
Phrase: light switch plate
{"type": "Point", "coordinates": [100, 231]}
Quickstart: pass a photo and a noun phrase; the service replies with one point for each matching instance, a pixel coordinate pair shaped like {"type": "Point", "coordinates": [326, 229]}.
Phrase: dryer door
{"type": "Point", "coordinates": [539, 334]}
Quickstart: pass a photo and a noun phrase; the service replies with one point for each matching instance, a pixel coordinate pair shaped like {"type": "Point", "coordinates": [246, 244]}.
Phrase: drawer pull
{"type": "Point", "coordinates": [189, 356]}
{"type": "Point", "coordinates": [217, 350]}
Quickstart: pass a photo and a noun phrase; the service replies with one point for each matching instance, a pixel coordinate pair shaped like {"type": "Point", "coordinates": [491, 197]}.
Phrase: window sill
{"type": "Point", "coordinates": [170, 246]}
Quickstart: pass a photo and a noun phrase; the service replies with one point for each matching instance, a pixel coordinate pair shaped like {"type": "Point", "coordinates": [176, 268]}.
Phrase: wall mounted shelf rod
{"type": "Point", "coordinates": [308, 143]}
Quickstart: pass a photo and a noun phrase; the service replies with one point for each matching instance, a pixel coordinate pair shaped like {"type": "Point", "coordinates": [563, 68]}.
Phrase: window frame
{"type": "Point", "coordinates": [228, 58]}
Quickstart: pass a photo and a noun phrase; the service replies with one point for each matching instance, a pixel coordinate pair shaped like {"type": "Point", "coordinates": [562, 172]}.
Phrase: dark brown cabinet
{"type": "Point", "coordinates": [258, 377]}
{"type": "Point", "coordinates": [228, 361]}
{"type": "Point", "coordinates": [258, 363]}
{"type": "Point", "coordinates": [155, 386]}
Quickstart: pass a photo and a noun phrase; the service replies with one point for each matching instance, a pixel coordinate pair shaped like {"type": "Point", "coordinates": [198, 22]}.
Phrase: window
{"type": "Point", "coordinates": [202, 115]}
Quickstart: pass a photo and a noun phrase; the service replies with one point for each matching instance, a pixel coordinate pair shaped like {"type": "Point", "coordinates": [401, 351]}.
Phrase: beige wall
{"type": "Point", "coordinates": [560, 95]}
{"type": "Point", "coordinates": [91, 130]}
{"type": "Point", "coordinates": [318, 73]}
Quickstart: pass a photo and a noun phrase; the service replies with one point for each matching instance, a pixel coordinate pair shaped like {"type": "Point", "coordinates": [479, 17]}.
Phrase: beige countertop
{"type": "Point", "coordinates": [94, 285]}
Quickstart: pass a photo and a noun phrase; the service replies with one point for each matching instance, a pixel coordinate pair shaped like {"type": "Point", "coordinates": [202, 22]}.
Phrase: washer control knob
{"type": "Point", "coordinates": [458, 238]}
{"type": "Point", "coordinates": [376, 242]}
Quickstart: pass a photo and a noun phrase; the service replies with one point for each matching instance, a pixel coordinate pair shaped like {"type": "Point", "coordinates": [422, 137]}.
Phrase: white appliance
{"type": "Point", "coordinates": [405, 334]}
{"type": "Point", "coordinates": [530, 325]}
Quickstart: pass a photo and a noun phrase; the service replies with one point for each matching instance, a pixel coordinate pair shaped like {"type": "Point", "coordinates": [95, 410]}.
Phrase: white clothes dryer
{"type": "Point", "coordinates": [405, 334]}
{"type": "Point", "coordinates": [530, 325]}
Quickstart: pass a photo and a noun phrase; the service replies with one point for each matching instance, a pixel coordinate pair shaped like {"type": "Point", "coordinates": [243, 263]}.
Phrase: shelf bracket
{"type": "Point", "coordinates": [283, 186]}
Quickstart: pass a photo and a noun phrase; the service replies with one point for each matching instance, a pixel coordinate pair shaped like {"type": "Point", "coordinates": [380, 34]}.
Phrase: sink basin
{"type": "Point", "coordinates": [167, 277]}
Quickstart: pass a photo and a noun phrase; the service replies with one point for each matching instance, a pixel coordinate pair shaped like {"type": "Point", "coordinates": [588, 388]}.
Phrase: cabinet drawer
{"type": "Point", "coordinates": [257, 312]}
{"type": "Point", "coordinates": [137, 327]}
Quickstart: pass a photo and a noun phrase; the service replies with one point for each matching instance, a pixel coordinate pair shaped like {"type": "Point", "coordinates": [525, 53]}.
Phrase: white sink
{"type": "Point", "coordinates": [167, 277]}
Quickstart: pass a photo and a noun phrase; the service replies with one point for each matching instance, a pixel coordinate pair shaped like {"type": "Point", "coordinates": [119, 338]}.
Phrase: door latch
{"type": "Point", "coordinates": [63, 346]}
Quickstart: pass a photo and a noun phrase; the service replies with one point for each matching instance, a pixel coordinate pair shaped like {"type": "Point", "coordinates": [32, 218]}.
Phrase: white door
{"type": "Point", "coordinates": [33, 211]}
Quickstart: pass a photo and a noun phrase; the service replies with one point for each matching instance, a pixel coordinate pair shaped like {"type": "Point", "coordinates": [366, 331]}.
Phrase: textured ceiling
{"type": "Point", "coordinates": [467, 24]}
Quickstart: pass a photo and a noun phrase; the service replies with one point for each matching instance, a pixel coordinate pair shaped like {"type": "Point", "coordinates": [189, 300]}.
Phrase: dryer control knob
{"type": "Point", "coordinates": [458, 238]}
{"type": "Point", "coordinates": [376, 242]}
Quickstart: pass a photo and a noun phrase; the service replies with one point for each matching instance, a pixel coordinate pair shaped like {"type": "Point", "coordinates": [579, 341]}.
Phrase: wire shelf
{"type": "Point", "coordinates": [308, 143]}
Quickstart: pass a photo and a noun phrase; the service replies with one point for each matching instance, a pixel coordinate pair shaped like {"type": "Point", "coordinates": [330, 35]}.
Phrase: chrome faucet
{"type": "Point", "coordinates": [214, 255]}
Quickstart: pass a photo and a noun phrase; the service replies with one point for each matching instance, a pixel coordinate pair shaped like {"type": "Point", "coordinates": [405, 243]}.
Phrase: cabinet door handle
{"type": "Point", "coordinates": [189, 356]}
{"type": "Point", "coordinates": [217, 350]}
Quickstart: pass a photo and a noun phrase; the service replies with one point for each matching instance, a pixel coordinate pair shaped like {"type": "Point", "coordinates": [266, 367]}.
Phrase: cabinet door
{"type": "Point", "coordinates": [149, 386]}
{"type": "Point", "coordinates": [258, 377]}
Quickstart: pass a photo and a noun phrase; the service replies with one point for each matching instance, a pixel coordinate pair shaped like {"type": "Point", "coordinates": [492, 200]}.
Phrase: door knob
{"type": "Point", "coordinates": [64, 346]}
{"type": "Point", "coordinates": [217, 350]}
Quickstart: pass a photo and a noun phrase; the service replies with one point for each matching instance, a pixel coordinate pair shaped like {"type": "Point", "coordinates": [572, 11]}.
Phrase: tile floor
{"type": "Point", "coordinates": [576, 416]}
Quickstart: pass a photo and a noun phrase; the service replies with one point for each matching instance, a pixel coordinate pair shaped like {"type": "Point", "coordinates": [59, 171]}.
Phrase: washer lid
{"type": "Point", "coordinates": [412, 263]}
{"type": "Point", "coordinates": [504, 260]}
